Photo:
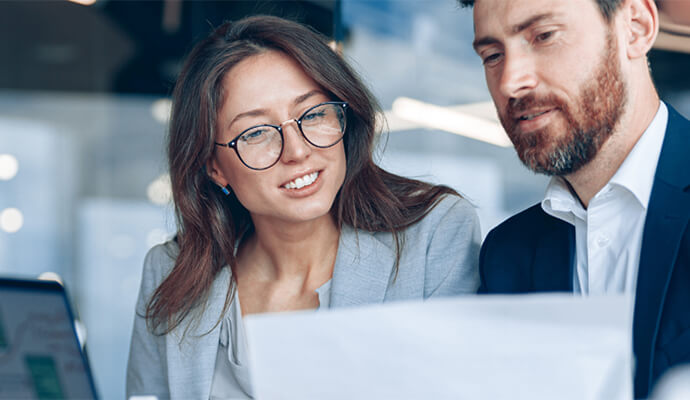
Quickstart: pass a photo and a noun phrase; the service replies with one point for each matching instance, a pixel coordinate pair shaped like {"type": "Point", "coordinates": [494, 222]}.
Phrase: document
{"type": "Point", "coordinates": [541, 346]}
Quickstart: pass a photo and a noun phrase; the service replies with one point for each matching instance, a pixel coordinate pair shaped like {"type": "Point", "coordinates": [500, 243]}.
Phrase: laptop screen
{"type": "Point", "coordinates": [40, 355]}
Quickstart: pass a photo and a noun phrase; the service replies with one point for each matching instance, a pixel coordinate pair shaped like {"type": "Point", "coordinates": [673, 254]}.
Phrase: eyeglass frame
{"type": "Point", "coordinates": [233, 143]}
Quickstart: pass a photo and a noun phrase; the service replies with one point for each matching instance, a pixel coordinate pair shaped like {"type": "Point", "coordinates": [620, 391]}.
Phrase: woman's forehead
{"type": "Point", "coordinates": [264, 79]}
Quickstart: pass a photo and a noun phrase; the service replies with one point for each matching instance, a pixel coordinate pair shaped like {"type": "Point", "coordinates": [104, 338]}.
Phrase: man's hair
{"type": "Point", "coordinates": [607, 7]}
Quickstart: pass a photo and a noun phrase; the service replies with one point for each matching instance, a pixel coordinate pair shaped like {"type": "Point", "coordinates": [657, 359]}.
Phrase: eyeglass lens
{"type": "Point", "coordinates": [323, 126]}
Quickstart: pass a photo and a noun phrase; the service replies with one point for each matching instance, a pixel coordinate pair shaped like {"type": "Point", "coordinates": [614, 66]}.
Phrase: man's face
{"type": "Point", "coordinates": [553, 70]}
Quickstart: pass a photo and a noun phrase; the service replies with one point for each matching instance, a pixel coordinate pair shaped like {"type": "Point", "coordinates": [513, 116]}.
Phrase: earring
{"type": "Point", "coordinates": [226, 190]}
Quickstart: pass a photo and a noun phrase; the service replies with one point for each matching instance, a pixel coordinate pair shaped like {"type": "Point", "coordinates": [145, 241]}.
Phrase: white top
{"type": "Point", "coordinates": [608, 234]}
{"type": "Point", "coordinates": [231, 376]}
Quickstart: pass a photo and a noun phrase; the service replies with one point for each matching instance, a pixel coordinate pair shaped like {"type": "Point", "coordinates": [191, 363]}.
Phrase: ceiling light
{"type": "Point", "coordinates": [84, 2]}
{"type": "Point", "coordinates": [50, 276]}
{"type": "Point", "coordinates": [472, 121]}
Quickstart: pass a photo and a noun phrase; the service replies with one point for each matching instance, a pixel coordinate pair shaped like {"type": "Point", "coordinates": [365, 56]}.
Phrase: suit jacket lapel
{"type": "Point", "coordinates": [363, 268]}
{"type": "Point", "coordinates": [667, 219]}
{"type": "Point", "coordinates": [554, 258]}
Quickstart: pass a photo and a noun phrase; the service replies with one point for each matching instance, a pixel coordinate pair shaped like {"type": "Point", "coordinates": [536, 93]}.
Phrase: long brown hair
{"type": "Point", "coordinates": [209, 222]}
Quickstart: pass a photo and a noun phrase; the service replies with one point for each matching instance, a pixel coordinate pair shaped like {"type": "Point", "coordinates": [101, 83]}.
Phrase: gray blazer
{"type": "Point", "coordinates": [439, 258]}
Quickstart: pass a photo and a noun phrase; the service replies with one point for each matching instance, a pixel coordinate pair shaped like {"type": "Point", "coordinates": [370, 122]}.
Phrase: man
{"type": "Point", "coordinates": [573, 91]}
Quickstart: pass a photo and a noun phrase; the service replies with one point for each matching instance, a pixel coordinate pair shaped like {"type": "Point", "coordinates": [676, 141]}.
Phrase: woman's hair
{"type": "Point", "coordinates": [211, 223]}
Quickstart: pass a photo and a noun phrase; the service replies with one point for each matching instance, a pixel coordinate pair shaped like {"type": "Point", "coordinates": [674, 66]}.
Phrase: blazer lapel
{"type": "Point", "coordinates": [363, 269]}
{"type": "Point", "coordinates": [191, 361]}
{"type": "Point", "coordinates": [667, 218]}
{"type": "Point", "coordinates": [552, 270]}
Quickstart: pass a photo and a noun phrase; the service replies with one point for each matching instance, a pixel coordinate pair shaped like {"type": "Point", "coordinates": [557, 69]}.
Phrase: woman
{"type": "Point", "coordinates": [280, 207]}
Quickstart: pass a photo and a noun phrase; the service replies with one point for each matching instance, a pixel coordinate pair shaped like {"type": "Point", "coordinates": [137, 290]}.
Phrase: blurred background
{"type": "Point", "coordinates": [84, 102]}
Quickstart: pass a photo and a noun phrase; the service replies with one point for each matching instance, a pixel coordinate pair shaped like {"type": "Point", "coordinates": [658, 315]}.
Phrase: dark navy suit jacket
{"type": "Point", "coordinates": [534, 252]}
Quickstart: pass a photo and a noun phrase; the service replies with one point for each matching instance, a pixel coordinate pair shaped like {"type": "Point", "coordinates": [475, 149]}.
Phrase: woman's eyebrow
{"type": "Point", "coordinates": [251, 113]}
{"type": "Point", "coordinates": [262, 111]}
{"type": "Point", "coordinates": [302, 98]}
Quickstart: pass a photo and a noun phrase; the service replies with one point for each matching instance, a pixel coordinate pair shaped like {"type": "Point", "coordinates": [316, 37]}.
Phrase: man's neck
{"type": "Point", "coordinates": [592, 177]}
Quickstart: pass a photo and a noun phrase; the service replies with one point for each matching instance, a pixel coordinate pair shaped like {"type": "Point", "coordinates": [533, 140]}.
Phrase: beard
{"type": "Point", "coordinates": [589, 121]}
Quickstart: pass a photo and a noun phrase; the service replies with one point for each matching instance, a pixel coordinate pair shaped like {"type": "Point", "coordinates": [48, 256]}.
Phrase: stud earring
{"type": "Point", "coordinates": [226, 190]}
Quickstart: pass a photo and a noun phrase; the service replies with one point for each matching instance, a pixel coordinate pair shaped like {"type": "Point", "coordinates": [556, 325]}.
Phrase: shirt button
{"type": "Point", "coordinates": [602, 241]}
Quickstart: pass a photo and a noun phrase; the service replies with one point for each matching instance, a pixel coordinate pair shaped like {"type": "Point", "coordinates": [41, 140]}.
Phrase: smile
{"type": "Point", "coordinates": [529, 117]}
{"type": "Point", "coordinates": [302, 181]}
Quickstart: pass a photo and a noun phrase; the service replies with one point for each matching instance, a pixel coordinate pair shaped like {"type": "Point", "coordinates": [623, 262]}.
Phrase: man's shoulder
{"type": "Point", "coordinates": [524, 224]}
{"type": "Point", "coordinates": [508, 252]}
{"type": "Point", "coordinates": [513, 251]}
{"type": "Point", "coordinates": [677, 129]}
{"type": "Point", "coordinates": [523, 232]}
{"type": "Point", "coordinates": [672, 167]}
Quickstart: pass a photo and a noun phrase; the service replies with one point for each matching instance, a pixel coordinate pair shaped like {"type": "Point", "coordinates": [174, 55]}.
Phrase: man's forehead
{"type": "Point", "coordinates": [512, 16]}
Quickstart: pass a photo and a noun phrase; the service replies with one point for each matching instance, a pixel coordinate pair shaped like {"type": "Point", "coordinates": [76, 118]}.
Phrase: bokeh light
{"type": "Point", "coordinates": [8, 167]}
{"type": "Point", "coordinates": [159, 191]}
{"type": "Point", "coordinates": [11, 220]}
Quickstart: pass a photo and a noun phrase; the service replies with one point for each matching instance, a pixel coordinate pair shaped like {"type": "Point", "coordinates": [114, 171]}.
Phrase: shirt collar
{"type": "Point", "coordinates": [636, 174]}
{"type": "Point", "coordinates": [559, 202]}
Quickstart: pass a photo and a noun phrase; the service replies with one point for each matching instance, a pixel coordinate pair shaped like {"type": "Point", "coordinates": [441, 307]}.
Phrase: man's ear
{"type": "Point", "coordinates": [641, 26]}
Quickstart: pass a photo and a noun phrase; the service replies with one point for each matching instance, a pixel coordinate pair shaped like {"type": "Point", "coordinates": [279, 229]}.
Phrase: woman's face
{"type": "Point", "coordinates": [271, 88]}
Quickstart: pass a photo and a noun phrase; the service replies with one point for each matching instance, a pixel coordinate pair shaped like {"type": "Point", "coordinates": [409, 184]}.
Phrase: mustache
{"type": "Point", "coordinates": [517, 106]}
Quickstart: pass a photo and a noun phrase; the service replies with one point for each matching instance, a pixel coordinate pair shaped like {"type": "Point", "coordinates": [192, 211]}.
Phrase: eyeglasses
{"type": "Point", "coordinates": [261, 146]}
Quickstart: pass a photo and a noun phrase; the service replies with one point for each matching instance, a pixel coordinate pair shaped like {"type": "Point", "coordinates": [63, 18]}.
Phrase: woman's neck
{"type": "Point", "coordinates": [301, 252]}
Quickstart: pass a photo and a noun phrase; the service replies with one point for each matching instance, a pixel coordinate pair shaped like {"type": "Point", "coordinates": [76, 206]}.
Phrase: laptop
{"type": "Point", "coordinates": [40, 354]}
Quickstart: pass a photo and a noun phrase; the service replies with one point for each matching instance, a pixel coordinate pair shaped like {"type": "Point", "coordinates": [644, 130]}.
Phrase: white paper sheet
{"type": "Point", "coordinates": [475, 347]}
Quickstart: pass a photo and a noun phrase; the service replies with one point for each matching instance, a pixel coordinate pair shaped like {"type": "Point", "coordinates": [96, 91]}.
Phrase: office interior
{"type": "Point", "coordinates": [85, 96]}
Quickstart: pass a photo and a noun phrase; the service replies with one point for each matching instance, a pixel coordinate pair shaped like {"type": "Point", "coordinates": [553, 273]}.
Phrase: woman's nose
{"type": "Point", "coordinates": [296, 148]}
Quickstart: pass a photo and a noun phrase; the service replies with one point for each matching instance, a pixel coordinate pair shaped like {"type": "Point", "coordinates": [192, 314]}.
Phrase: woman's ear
{"type": "Point", "coordinates": [642, 26]}
{"type": "Point", "coordinates": [214, 173]}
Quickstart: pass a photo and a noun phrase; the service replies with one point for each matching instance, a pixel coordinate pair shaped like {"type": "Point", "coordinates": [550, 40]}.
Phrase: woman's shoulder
{"type": "Point", "coordinates": [450, 212]}
{"type": "Point", "coordinates": [451, 216]}
{"type": "Point", "coordinates": [455, 204]}
{"type": "Point", "coordinates": [158, 262]}
{"type": "Point", "coordinates": [448, 239]}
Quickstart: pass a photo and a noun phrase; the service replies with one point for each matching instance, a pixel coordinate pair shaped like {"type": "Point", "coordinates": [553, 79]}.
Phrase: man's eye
{"type": "Point", "coordinates": [491, 58]}
{"type": "Point", "coordinates": [543, 37]}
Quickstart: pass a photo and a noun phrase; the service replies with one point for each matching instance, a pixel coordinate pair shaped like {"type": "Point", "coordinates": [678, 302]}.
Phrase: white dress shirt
{"type": "Point", "coordinates": [231, 379]}
{"type": "Point", "coordinates": [608, 234]}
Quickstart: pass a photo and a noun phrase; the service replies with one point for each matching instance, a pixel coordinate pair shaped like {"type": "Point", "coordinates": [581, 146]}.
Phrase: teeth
{"type": "Point", "coordinates": [531, 116]}
{"type": "Point", "coordinates": [301, 182]}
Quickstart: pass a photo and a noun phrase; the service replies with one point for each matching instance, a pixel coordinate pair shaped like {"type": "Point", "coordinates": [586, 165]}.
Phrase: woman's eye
{"type": "Point", "coordinates": [254, 136]}
{"type": "Point", "coordinates": [314, 116]}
